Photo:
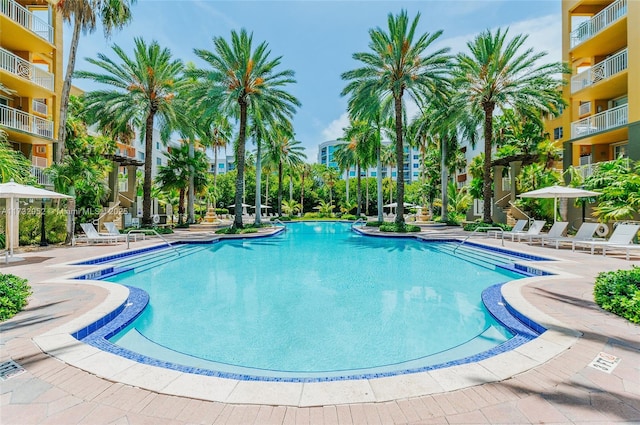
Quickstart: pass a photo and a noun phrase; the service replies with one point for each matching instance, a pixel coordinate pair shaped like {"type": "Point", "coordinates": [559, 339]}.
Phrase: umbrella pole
{"type": "Point", "coordinates": [555, 209]}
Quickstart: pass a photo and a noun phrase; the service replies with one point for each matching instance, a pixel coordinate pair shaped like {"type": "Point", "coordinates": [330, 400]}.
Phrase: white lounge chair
{"type": "Point", "coordinates": [112, 230]}
{"type": "Point", "coordinates": [556, 231]}
{"type": "Point", "coordinates": [534, 229]}
{"type": "Point", "coordinates": [622, 235]}
{"type": "Point", "coordinates": [584, 233]}
{"type": "Point", "coordinates": [517, 228]}
{"type": "Point", "coordinates": [92, 235]}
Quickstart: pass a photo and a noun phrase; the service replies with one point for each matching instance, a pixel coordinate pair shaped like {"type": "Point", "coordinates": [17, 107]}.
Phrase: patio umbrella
{"type": "Point", "coordinates": [13, 191]}
{"type": "Point", "coordinates": [556, 192]}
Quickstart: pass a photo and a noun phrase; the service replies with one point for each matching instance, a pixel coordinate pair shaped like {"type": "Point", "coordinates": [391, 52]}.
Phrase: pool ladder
{"type": "Point", "coordinates": [360, 220]}
{"type": "Point", "coordinates": [500, 229]}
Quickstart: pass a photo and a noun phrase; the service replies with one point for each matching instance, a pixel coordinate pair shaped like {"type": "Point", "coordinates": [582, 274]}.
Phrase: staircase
{"type": "Point", "coordinates": [113, 214]}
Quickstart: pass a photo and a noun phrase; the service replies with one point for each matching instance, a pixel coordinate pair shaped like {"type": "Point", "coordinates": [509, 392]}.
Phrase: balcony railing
{"type": "Point", "coordinates": [584, 108]}
{"type": "Point", "coordinates": [40, 175]}
{"type": "Point", "coordinates": [24, 69]}
{"type": "Point", "coordinates": [610, 118]}
{"type": "Point", "coordinates": [588, 169]}
{"type": "Point", "coordinates": [39, 106]}
{"type": "Point", "coordinates": [605, 69]}
{"type": "Point", "coordinates": [604, 18]}
{"type": "Point", "coordinates": [19, 120]}
{"type": "Point", "coordinates": [27, 19]}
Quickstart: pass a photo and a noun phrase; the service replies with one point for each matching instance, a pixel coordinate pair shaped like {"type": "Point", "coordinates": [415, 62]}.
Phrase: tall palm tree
{"type": "Point", "coordinates": [305, 171]}
{"type": "Point", "coordinates": [285, 152]}
{"type": "Point", "coordinates": [497, 73]}
{"type": "Point", "coordinates": [241, 79]}
{"type": "Point", "coordinates": [329, 176]}
{"type": "Point", "coordinates": [13, 164]}
{"type": "Point", "coordinates": [181, 165]}
{"type": "Point", "coordinates": [145, 86]}
{"type": "Point", "coordinates": [397, 63]}
{"type": "Point", "coordinates": [83, 14]}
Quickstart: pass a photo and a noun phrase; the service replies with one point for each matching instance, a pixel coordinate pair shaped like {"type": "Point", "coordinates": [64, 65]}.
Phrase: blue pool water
{"type": "Point", "coordinates": [316, 300]}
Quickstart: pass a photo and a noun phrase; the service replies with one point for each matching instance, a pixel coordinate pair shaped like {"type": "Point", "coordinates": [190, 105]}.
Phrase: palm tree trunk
{"type": "Point", "coordinates": [66, 88]}
{"type": "Point", "coordinates": [366, 188]}
{"type": "Point", "coordinates": [302, 193]}
{"type": "Point", "coordinates": [148, 161]}
{"type": "Point", "coordinates": [215, 173]}
{"type": "Point", "coordinates": [181, 207]}
{"type": "Point", "coordinates": [191, 199]}
{"type": "Point", "coordinates": [258, 220]}
{"type": "Point", "coordinates": [280, 177]}
{"type": "Point", "coordinates": [347, 185]}
{"type": "Point", "coordinates": [242, 137]}
{"type": "Point", "coordinates": [400, 160]}
{"type": "Point", "coordinates": [359, 191]}
{"type": "Point", "coordinates": [486, 167]}
{"type": "Point", "coordinates": [290, 186]}
{"type": "Point", "coordinates": [444, 216]}
{"type": "Point", "coordinates": [379, 181]}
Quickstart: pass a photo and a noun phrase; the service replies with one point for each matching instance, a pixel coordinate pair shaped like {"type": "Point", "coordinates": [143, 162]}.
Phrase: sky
{"type": "Point", "coordinates": [317, 39]}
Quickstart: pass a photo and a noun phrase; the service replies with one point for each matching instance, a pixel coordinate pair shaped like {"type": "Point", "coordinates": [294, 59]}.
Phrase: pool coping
{"type": "Point", "coordinates": [60, 343]}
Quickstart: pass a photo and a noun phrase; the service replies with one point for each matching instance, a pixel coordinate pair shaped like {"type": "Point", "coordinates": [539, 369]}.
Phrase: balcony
{"type": "Point", "coordinates": [601, 71]}
{"type": "Point", "coordinates": [606, 120]}
{"type": "Point", "coordinates": [587, 170]}
{"type": "Point", "coordinates": [25, 18]}
{"type": "Point", "coordinates": [41, 176]}
{"type": "Point", "coordinates": [24, 69]}
{"type": "Point", "coordinates": [584, 108]}
{"type": "Point", "coordinates": [600, 21]}
{"type": "Point", "coordinates": [28, 123]}
{"type": "Point", "coordinates": [40, 107]}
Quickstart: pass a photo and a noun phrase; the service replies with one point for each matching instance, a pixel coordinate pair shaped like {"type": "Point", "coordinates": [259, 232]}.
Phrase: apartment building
{"type": "Point", "coordinates": [31, 77]}
{"type": "Point", "coordinates": [601, 44]}
{"type": "Point", "coordinates": [411, 167]}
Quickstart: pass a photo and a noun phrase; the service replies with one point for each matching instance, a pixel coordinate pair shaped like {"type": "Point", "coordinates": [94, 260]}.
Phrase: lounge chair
{"type": "Point", "coordinates": [534, 229]}
{"type": "Point", "coordinates": [92, 235]}
{"type": "Point", "coordinates": [112, 230]}
{"type": "Point", "coordinates": [622, 235]}
{"type": "Point", "coordinates": [626, 248]}
{"type": "Point", "coordinates": [517, 228]}
{"type": "Point", "coordinates": [584, 233]}
{"type": "Point", "coordinates": [556, 231]}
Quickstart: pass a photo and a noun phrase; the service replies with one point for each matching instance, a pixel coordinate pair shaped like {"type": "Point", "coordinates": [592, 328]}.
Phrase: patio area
{"type": "Point", "coordinates": [554, 383]}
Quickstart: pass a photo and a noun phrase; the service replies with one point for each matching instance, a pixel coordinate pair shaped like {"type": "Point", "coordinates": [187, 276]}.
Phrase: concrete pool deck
{"type": "Point", "coordinates": [547, 380]}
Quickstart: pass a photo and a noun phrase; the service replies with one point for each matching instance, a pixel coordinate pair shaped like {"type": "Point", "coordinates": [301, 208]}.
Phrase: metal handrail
{"type": "Point", "coordinates": [277, 220]}
{"type": "Point", "coordinates": [521, 212]}
{"type": "Point", "coordinates": [481, 228]}
{"type": "Point", "coordinates": [130, 231]}
{"type": "Point", "coordinates": [359, 220]}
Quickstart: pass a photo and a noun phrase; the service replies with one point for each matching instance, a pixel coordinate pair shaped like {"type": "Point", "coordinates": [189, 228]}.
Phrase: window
{"type": "Point", "coordinates": [352, 173]}
{"type": "Point", "coordinates": [158, 161]}
{"type": "Point", "coordinates": [415, 157]}
{"type": "Point", "coordinates": [141, 156]}
{"type": "Point", "coordinates": [393, 174]}
{"type": "Point", "coordinates": [558, 133]}
{"type": "Point", "coordinates": [41, 149]}
{"type": "Point", "coordinates": [416, 165]}
{"type": "Point", "coordinates": [221, 166]}
{"type": "Point", "coordinates": [620, 151]}
{"type": "Point", "coordinates": [415, 174]}
{"type": "Point", "coordinates": [158, 145]}
{"type": "Point", "coordinates": [373, 174]}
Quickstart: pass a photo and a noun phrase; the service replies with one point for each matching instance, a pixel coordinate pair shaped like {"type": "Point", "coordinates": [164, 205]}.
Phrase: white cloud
{"type": "Point", "coordinates": [544, 35]}
{"type": "Point", "coordinates": [334, 129]}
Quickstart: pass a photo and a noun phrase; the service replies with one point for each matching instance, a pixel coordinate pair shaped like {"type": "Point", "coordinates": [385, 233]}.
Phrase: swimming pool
{"type": "Point", "coordinates": [315, 302]}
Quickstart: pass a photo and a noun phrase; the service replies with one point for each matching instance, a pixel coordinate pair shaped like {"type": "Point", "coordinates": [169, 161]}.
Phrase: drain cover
{"type": "Point", "coordinates": [9, 369]}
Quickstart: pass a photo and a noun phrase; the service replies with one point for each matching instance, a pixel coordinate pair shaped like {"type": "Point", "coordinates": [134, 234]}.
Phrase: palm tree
{"type": "Point", "coordinates": [305, 171]}
{"type": "Point", "coordinates": [242, 79]}
{"type": "Point", "coordinates": [330, 177]}
{"type": "Point", "coordinates": [13, 164]}
{"type": "Point", "coordinates": [284, 152]}
{"type": "Point", "coordinates": [181, 165]}
{"type": "Point", "coordinates": [83, 14]}
{"type": "Point", "coordinates": [145, 87]}
{"type": "Point", "coordinates": [397, 64]}
{"type": "Point", "coordinates": [497, 74]}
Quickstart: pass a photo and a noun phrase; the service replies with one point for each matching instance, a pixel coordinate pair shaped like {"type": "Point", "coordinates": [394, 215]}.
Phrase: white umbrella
{"type": "Point", "coordinates": [395, 205]}
{"type": "Point", "coordinates": [13, 191]}
{"type": "Point", "coordinates": [556, 192]}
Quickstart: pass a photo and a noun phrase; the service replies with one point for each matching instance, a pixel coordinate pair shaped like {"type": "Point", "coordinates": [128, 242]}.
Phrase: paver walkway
{"type": "Point", "coordinates": [563, 390]}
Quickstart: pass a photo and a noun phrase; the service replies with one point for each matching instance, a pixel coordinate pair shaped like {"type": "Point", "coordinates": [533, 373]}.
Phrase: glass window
{"type": "Point", "coordinates": [221, 166]}
{"type": "Point", "coordinates": [373, 174]}
{"type": "Point", "coordinates": [393, 174]}
{"type": "Point", "coordinates": [620, 151]}
{"type": "Point", "coordinates": [416, 165]}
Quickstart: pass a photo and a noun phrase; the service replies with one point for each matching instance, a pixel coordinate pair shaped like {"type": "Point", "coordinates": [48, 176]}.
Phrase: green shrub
{"type": "Point", "coordinates": [236, 231]}
{"type": "Point", "coordinates": [348, 217]}
{"type": "Point", "coordinates": [393, 227]}
{"type": "Point", "coordinates": [222, 211]}
{"type": "Point", "coordinates": [55, 222]}
{"type": "Point", "coordinates": [14, 292]}
{"type": "Point", "coordinates": [3, 240]}
{"type": "Point", "coordinates": [182, 226]}
{"type": "Point", "coordinates": [311, 215]}
{"type": "Point", "coordinates": [161, 230]}
{"type": "Point", "coordinates": [470, 227]}
{"type": "Point", "coordinates": [374, 223]}
{"type": "Point", "coordinates": [619, 292]}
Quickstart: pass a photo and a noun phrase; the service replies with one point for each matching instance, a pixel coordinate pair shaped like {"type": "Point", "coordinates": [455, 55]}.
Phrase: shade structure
{"type": "Point", "coordinates": [395, 205]}
{"type": "Point", "coordinates": [13, 191]}
{"type": "Point", "coordinates": [556, 192]}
